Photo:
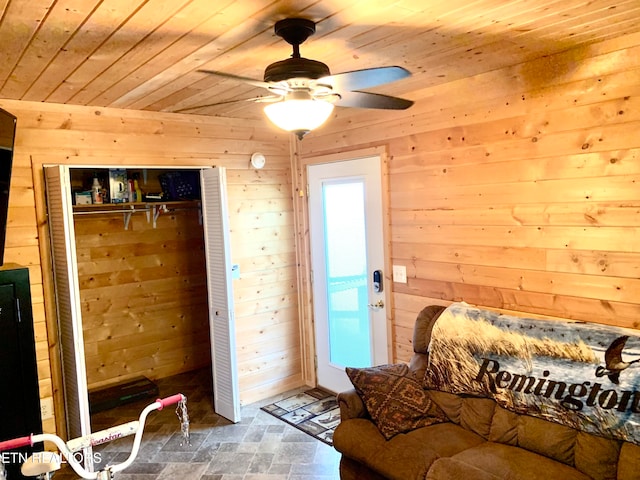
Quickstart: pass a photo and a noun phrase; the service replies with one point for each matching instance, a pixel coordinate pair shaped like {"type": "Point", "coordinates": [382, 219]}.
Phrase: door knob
{"type": "Point", "coordinates": [378, 304]}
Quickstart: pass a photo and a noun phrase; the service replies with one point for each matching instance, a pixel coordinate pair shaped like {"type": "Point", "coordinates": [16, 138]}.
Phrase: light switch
{"type": "Point", "coordinates": [400, 274]}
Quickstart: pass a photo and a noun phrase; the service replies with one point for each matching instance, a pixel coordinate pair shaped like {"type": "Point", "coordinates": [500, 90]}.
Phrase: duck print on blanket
{"type": "Point", "coordinates": [579, 374]}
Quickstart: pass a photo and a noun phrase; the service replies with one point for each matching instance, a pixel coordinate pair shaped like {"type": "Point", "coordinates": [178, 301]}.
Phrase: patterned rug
{"type": "Point", "coordinates": [315, 412]}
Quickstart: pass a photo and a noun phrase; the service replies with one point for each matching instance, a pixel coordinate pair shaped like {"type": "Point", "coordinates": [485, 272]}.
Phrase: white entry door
{"type": "Point", "coordinates": [347, 256]}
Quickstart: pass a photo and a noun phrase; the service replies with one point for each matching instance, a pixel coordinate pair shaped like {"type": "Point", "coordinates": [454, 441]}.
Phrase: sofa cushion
{"type": "Point", "coordinates": [507, 462]}
{"type": "Point", "coordinates": [476, 415]}
{"type": "Point", "coordinates": [472, 413]}
{"type": "Point", "coordinates": [351, 405]}
{"type": "Point", "coordinates": [418, 365]}
{"type": "Point", "coordinates": [629, 464]}
{"type": "Point", "coordinates": [421, 338]}
{"type": "Point", "coordinates": [450, 403]}
{"type": "Point", "coordinates": [598, 457]}
{"type": "Point", "coordinates": [396, 402]}
{"type": "Point", "coordinates": [446, 468]}
{"type": "Point", "coordinates": [425, 321]}
{"type": "Point", "coordinates": [593, 455]}
{"type": "Point", "coordinates": [406, 456]}
{"type": "Point", "coordinates": [549, 439]}
{"type": "Point", "coordinates": [504, 428]}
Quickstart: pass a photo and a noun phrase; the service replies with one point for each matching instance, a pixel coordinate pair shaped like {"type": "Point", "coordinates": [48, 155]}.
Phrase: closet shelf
{"type": "Point", "coordinates": [128, 209]}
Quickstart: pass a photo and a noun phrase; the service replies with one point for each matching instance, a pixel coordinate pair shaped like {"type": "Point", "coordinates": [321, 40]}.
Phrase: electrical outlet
{"type": "Point", "coordinates": [400, 274]}
{"type": "Point", "coordinates": [46, 408]}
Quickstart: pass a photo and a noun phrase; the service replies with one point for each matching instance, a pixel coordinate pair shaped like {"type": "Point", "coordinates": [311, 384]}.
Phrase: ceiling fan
{"type": "Point", "coordinates": [303, 92]}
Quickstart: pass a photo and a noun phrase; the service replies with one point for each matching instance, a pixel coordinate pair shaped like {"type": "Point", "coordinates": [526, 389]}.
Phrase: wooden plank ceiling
{"type": "Point", "coordinates": [145, 54]}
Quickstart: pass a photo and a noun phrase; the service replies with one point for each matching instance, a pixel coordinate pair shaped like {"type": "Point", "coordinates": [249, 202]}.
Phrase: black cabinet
{"type": "Point", "coordinates": [19, 392]}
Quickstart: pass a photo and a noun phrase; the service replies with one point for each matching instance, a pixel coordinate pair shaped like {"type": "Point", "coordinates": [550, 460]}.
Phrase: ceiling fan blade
{"type": "Point", "coordinates": [372, 100]}
{"type": "Point", "coordinates": [261, 99]}
{"type": "Point", "coordinates": [250, 81]}
{"type": "Point", "coordinates": [366, 78]}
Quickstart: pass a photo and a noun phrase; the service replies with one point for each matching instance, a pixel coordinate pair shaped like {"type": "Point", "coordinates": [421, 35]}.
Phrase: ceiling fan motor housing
{"type": "Point", "coordinates": [295, 31]}
{"type": "Point", "coordinates": [295, 68]}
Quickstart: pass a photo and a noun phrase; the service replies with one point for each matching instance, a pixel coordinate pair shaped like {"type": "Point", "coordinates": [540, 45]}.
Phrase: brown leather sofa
{"type": "Point", "coordinates": [480, 441]}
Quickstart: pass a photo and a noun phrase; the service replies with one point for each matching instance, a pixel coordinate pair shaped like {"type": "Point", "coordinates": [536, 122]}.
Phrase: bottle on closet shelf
{"type": "Point", "coordinates": [136, 187]}
{"type": "Point", "coordinates": [131, 192]}
{"type": "Point", "coordinates": [96, 191]}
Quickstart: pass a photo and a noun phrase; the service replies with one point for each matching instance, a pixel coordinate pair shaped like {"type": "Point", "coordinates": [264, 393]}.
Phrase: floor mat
{"type": "Point", "coordinates": [314, 411]}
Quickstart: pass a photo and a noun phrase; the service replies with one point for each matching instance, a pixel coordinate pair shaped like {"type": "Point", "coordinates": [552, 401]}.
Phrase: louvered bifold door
{"type": "Point", "coordinates": [65, 271]}
{"type": "Point", "coordinates": [220, 293]}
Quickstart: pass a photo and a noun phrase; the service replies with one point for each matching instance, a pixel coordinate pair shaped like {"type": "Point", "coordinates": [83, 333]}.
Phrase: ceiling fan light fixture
{"type": "Point", "coordinates": [299, 115]}
{"type": "Point", "coordinates": [304, 91]}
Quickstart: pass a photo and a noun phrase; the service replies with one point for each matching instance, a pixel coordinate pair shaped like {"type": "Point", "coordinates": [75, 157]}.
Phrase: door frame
{"type": "Point", "coordinates": [303, 249]}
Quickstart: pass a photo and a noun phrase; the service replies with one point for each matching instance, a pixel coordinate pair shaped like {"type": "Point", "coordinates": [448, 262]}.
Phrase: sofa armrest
{"type": "Point", "coordinates": [351, 405]}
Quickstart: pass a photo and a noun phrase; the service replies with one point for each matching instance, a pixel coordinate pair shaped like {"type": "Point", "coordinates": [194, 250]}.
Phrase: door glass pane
{"type": "Point", "coordinates": [346, 264]}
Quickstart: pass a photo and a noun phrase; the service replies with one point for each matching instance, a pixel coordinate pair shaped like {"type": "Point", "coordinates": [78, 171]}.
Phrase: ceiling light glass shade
{"type": "Point", "coordinates": [299, 115]}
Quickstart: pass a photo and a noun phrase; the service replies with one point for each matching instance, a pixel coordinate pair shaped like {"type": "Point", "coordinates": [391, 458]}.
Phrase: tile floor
{"type": "Point", "coordinates": [260, 447]}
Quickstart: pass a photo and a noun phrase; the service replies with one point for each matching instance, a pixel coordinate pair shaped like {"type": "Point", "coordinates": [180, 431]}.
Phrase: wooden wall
{"type": "Point", "coordinates": [516, 189]}
{"type": "Point", "coordinates": [262, 241]}
{"type": "Point", "coordinates": [143, 295]}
